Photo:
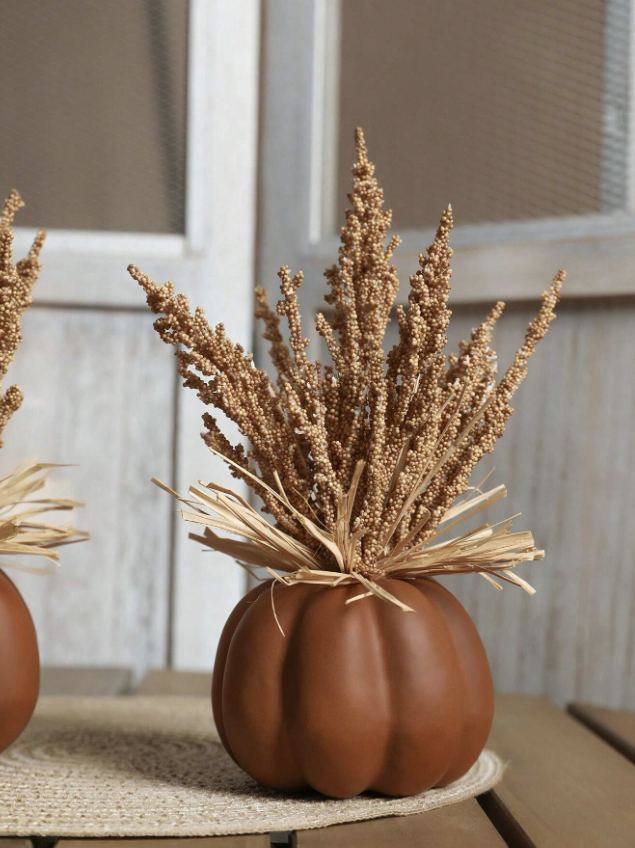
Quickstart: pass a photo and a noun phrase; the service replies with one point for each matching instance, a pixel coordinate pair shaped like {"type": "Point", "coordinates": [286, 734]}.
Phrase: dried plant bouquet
{"type": "Point", "coordinates": [364, 463]}
{"type": "Point", "coordinates": [21, 533]}
{"type": "Point", "coordinates": [22, 530]}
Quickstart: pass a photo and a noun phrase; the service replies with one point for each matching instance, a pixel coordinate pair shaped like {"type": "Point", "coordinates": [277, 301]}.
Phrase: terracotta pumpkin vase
{"type": "Point", "coordinates": [353, 697]}
{"type": "Point", "coordinates": [19, 663]}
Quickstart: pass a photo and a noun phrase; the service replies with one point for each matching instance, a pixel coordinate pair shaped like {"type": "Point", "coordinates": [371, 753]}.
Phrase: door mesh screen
{"type": "Point", "coordinates": [93, 105]}
{"type": "Point", "coordinates": [508, 109]}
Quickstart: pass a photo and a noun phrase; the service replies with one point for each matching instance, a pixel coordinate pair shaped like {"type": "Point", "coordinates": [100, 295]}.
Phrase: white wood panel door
{"type": "Point", "coordinates": [104, 387]}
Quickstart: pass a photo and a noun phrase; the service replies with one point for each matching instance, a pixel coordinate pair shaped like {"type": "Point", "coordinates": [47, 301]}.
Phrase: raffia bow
{"type": "Point", "coordinates": [489, 550]}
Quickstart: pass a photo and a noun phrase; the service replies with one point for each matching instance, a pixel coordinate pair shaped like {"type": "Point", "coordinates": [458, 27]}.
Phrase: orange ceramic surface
{"type": "Point", "coordinates": [19, 663]}
{"type": "Point", "coordinates": [353, 697]}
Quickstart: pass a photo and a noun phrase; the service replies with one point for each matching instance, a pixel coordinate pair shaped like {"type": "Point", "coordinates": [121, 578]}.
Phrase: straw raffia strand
{"type": "Point", "coordinates": [20, 532]}
{"type": "Point", "coordinates": [490, 550]}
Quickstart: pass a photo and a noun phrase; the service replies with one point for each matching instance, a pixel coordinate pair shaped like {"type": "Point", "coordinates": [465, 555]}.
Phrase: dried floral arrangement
{"type": "Point", "coordinates": [20, 531]}
{"type": "Point", "coordinates": [364, 463]}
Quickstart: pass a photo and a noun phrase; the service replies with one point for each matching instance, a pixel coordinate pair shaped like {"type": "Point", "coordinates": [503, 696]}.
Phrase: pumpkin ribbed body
{"type": "Point", "coordinates": [19, 663]}
{"type": "Point", "coordinates": [353, 697]}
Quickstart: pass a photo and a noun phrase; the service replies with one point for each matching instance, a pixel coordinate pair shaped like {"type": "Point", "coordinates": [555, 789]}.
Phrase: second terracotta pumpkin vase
{"type": "Point", "coordinates": [353, 697]}
{"type": "Point", "coordinates": [21, 530]}
{"type": "Point", "coordinates": [354, 670]}
{"type": "Point", "coordinates": [19, 663]}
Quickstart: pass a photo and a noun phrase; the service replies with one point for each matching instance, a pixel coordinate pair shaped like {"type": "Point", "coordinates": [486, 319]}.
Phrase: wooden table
{"type": "Point", "coordinates": [570, 781]}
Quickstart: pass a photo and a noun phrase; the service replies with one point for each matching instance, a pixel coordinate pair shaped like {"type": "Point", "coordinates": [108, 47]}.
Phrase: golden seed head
{"type": "Point", "coordinates": [16, 284]}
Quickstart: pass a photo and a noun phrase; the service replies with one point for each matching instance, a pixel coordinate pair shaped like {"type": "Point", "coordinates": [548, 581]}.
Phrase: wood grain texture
{"type": "Point", "coordinates": [567, 461]}
{"type": "Point", "coordinates": [98, 392]}
{"type": "Point", "coordinates": [449, 827]}
{"type": "Point", "coordinates": [170, 682]}
{"type": "Point", "coordinates": [617, 727]}
{"type": "Point", "coordinates": [85, 681]}
{"type": "Point", "coordinates": [564, 787]}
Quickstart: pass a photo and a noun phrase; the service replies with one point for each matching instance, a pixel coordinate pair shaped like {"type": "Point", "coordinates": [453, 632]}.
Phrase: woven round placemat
{"type": "Point", "coordinates": [153, 766]}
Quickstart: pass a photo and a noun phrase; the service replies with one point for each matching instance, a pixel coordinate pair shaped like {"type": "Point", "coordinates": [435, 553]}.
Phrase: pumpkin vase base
{"type": "Point", "coordinates": [353, 697]}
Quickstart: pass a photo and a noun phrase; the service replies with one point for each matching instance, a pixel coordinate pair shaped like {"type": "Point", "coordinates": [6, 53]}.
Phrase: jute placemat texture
{"type": "Point", "coordinates": [153, 766]}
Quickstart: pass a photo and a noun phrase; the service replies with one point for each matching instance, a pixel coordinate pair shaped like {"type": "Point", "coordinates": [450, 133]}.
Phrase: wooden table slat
{"type": "Point", "coordinates": [563, 787]}
{"type": "Point", "coordinates": [85, 681]}
{"type": "Point", "coordinates": [171, 682]}
{"type": "Point", "coordinates": [459, 825]}
{"type": "Point", "coordinates": [617, 727]}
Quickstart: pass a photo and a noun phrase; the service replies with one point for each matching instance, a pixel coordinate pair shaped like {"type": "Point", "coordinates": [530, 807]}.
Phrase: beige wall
{"type": "Point", "coordinates": [494, 106]}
